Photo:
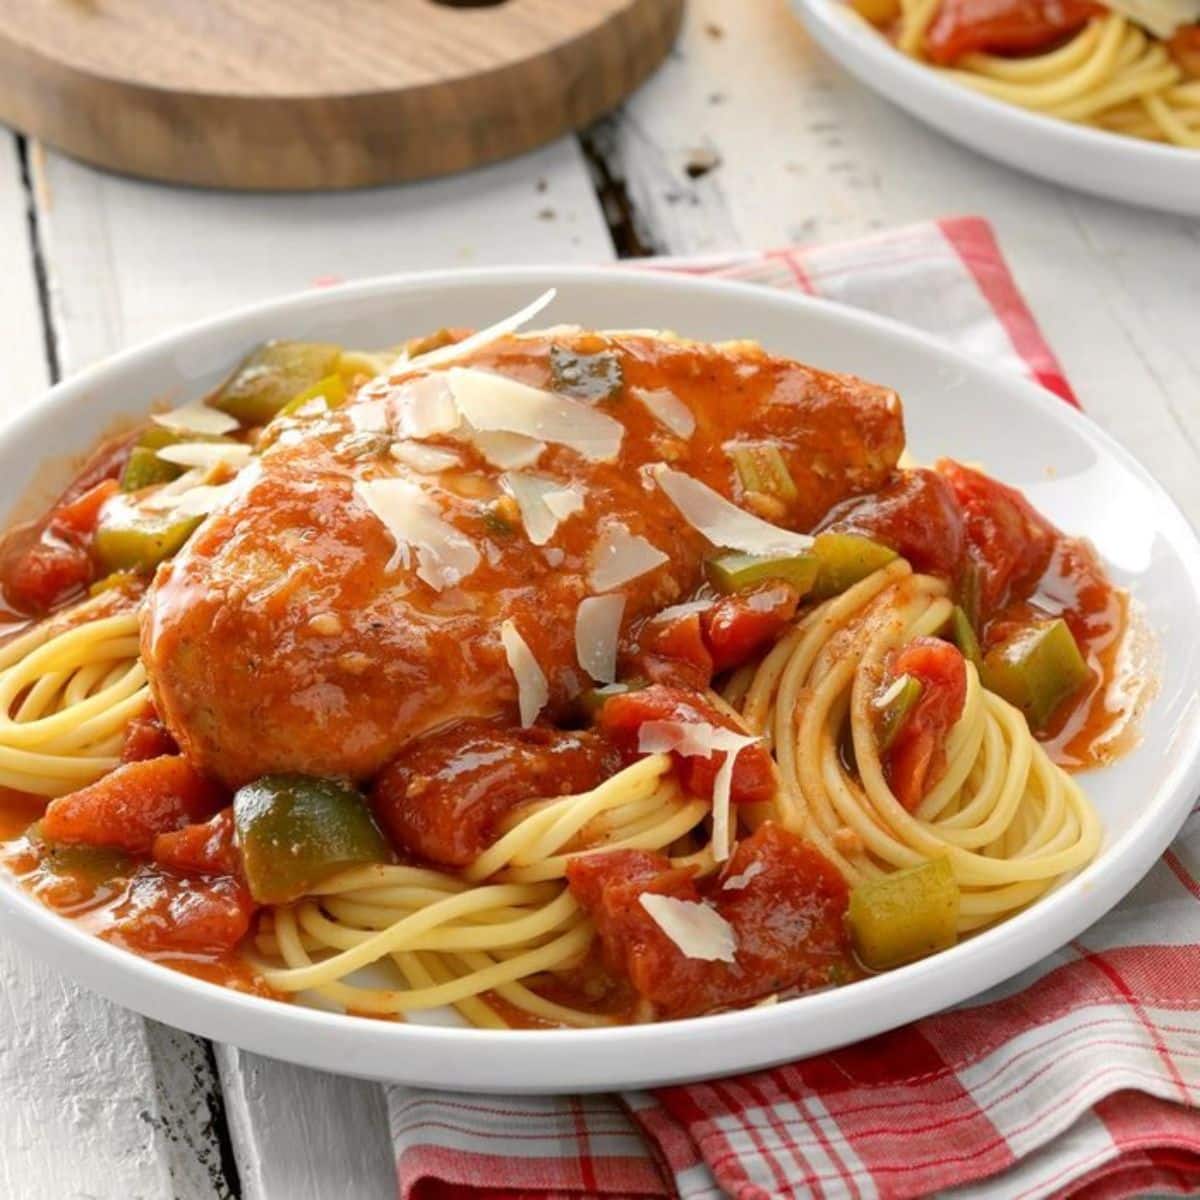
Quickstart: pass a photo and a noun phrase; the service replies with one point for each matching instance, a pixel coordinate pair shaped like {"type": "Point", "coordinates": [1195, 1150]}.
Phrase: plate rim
{"type": "Point", "coordinates": [266, 1025]}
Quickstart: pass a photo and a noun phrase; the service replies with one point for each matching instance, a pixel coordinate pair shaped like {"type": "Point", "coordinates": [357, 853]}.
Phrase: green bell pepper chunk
{"type": "Point", "coordinates": [591, 700]}
{"type": "Point", "coordinates": [145, 469]}
{"type": "Point", "coordinates": [962, 634]}
{"type": "Point", "coordinates": [272, 375]}
{"type": "Point", "coordinates": [897, 918]}
{"type": "Point", "coordinates": [92, 866]}
{"type": "Point", "coordinates": [1037, 669]}
{"type": "Point", "coordinates": [761, 468]}
{"type": "Point", "coordinates": [733, 572]}
{"type": "Point", "coordinates": [593, 377]}
{"type": "Point", "coordinates": [894, 707]}
{"type": "Point", "coordinates": [845, 559]}
{"type": "Point", "coordinates": [129, 538]}
{"type": "Point", "coordinates": [295, 830]}
{"type": "Point", "coordinates": [331, 389]}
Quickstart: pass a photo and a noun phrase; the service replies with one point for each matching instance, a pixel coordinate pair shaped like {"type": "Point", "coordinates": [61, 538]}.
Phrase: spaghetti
{"type": "Point", "coordinates": [389, 721]}
{"type": "Point", "coordinates": [1111, 74]}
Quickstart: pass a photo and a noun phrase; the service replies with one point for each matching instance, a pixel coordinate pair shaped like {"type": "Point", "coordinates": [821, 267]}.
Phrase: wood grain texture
{"type": "Point", "coordinates": [303, 94]}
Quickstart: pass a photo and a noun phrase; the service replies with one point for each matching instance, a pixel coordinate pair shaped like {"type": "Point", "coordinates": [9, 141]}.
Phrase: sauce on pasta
{"type": "Point", "coordinates": [578, 678]}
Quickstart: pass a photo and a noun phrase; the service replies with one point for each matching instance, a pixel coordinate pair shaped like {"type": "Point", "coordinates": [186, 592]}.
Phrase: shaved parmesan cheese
{"type": "Point", "coordinates": [444, 555]}
{"type": "Point", "coordinates": [196, 418]}
{"type": "Point", "coordinates": [445, 354]}
{"type": "Point", "coordinates": [722, 818]}
{"type": "Point", "coordinates": [532, 691]}
{"type": "Point", "coordinates": [168, 496]}
{"type": "Point", "coordinates": [564, 502]}
{"type": "Point", "coordinates": [597, 629]}
{"type": "Point", "coordinates": [203, 499]}
{"type": "Point", "coordinates": [736, 883]}
{"type": "Point", "coordinates": [423, 407]}
{"type": "Point", "coordinates": [697, 929]}
{"type": "Point", "coordinates": [370, 416]}
{"type": "Point", "coordinates": [508, 451]}
{"type": "Point", "coordinates": [206, 454]}
{"type": "Point", "coordinates": [667, 409]}
{"type": "Point", "coordinates": [692, 739]}
{"type": "Point", "coordinates": [722, 522]}
{"type": "Point", "coordinates": [1161, 17]}
{"type": "Point", "coordinates": [619, 556]}
{"type": "Point", "coordinates": [529, 491]}
{"type": "Point", "coordinates": [494, 402]}
{"type": "Point", "coordinates": [427, 460]}
{"type": "Point", "coordinates": [701, 740]}
{"type": "Point", "coordinates": [544, 503]}
{"type": "Point", "coordinates": [675, 611]}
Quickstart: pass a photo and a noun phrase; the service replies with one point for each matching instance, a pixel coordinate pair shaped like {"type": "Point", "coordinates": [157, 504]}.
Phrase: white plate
{"type": "Point", "coordinates": [1120, 168]}
{"type": "Point", "coordinates": [1069, 468]}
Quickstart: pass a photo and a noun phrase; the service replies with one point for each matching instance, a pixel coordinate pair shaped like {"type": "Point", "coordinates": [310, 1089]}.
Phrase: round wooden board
{"type": "Point", "coordinates": [307, 94]}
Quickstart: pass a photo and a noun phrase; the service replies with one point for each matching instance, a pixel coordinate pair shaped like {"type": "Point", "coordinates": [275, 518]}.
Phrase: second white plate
{"type": "Point", "coordinates": [1069, 468]}
{"type": "Point", "coordinates": [1107, 164]}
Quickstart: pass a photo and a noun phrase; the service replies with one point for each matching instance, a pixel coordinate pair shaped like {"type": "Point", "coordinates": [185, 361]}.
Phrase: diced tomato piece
{"type": "Point", "coordinates": [443, 795]}
{"type": "Point", "coordinates": [787, 917]}
{"type": "Point", "coordinates": [1003, 26]}
{"type": "Point", "coordinates": [623, 716]}
{"type": "Point", "coordinates": [78, 517]}
{"type": "Point", "coordinates": [207, 848]}
{"type": "Point", "coordinates": [147, 737]}
{"type": "Point", "coordinates": [917, 756]}
{"type": "Point", "coordinates": [132, 804]}
{"type": "Point", "coordinates": [1185, 49]}
{"type": "Point", "coordinates": [1009, 543]}
{"type": "Point", "coordinates": [44, 574]}
{"type": "Point", "coordinates": [738, 626]}
{"type": "Point", "coordinates": [916, 514]}
{"type": "Point", "coordinates": [672, 650]}
{"type": "Point", "coordinates": [163, 914]}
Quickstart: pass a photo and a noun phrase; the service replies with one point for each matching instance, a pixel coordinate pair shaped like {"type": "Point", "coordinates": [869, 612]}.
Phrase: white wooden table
{"type": "Point", "coordinates": [94, 1100]}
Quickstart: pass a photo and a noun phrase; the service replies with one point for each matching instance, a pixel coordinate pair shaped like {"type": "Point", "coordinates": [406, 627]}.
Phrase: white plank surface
{"type": "Point", "coordinates": [806, 154]}
{"type": "Point", "coordinates": [129, 260]}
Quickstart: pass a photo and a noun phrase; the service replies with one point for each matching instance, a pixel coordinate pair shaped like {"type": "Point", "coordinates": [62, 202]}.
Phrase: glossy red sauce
{"type": "Point", "coordinates": [278, 640]}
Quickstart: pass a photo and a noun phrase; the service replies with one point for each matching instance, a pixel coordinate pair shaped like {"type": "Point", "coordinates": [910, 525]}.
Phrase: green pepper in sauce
{"type": "Point", "coordinates": [894, 707]}
{"type": "Point", "coordinates": [907, 915]}
{"type": "Point", "coordinates": [962, 634]}
{"type": "Point", "coordinates": [593, 377]}
{"type": "Point", "coordinates": [761, 468]}
{"type": "Point", "coordinates": [272, 375]}
{"type": "Point", "coordinates": [129, 538]}
{"type": "Point", "coordinates": [1037, 669]}
{"type": "Point", "coordinates": [846, 559]}
{"type": "Point", "coordinates": [734, 572]}
{"type": "Point", "coordinates": [295, 830]}
{"type": "Point", "coordinates": [331, 390]}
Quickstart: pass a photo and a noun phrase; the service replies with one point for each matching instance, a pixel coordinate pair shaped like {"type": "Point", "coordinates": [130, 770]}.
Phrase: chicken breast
{"type": "Point", "coordinates": [297, 632]}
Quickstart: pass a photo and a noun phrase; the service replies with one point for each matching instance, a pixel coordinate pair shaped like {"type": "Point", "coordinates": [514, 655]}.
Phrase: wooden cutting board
{"type": "Point", "coordinates": [306, 94]}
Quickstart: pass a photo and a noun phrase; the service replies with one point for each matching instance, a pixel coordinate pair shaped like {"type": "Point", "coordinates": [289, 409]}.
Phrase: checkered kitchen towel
{"type": "Point", "coordinates": [1075, 1079]}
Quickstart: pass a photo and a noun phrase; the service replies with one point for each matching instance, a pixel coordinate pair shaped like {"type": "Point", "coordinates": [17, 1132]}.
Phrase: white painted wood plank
{"type": "Point", "coordinates": [805, 154]}
{"type": "Point", "coordinates": [133, 259]}
{"type": "Point", "coordinates": [303, 1134]}
{"type": "Point", "coordinates": [129, 260]}
{"type": "Point", "coordinates": [86, 1109]}
{"type": "Point", "coordinates": [25, 366]}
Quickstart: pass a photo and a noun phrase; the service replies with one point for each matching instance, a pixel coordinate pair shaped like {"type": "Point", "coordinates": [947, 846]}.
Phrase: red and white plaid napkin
{"type": "Point", "coordinates": [1074, 1079]}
